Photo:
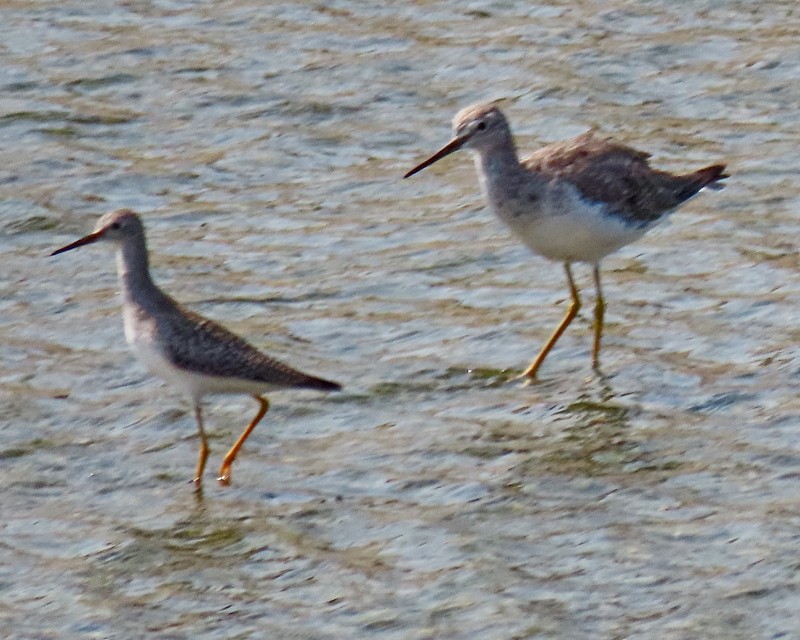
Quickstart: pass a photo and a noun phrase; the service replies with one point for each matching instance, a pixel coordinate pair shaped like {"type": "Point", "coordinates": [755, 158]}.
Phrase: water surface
{"type": "Point", "coordinates": [435, 497]}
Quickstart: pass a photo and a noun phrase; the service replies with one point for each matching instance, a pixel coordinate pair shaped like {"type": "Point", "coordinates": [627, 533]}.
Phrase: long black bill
{"type": "Point", "coordinates": [92, 237]}
{"type": "Point", "coordinates": [454, 145]}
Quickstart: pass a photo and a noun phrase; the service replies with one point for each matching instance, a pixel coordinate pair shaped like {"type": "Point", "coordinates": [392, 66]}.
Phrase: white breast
{"type": "Point", "coordinates": [141, 333]}
{"type": "Point", "coordinates": [565, 227]}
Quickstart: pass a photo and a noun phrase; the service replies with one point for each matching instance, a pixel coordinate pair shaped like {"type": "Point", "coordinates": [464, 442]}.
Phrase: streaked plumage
{"type": "Point", "coordinates": [572, 201]}
{"type": "Point", "coordinates": [618, 176]}
{"type": "Point", "coordinates": [189, 351]}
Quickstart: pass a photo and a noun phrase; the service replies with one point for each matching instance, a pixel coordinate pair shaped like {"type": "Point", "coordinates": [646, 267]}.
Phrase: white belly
{"type": "Point", "coordinates": [194, 385]}
{"type": "Point", "coordinates": [575, 237]}
{"type": "Point", "coordinates": [567, 228]}
{"type": "Point", "coordinates": [552, 218]}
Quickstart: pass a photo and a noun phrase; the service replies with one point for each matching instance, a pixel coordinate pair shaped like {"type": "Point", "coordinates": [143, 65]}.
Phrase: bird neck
{"type": "Point", "coordinates": [133, 270]}
{"type": "Point", "coordinates": [499, 158]}
{"type": "Point", "coordinates": [504, 181]}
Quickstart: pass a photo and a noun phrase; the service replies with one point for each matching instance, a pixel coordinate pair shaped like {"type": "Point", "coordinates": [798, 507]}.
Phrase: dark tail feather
{"type": "Point", "coordinates": [319, 384]}
{"type": "Point", "coordinates": [710, 177]}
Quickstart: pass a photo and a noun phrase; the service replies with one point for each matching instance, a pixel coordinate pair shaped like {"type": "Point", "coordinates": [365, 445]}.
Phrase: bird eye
{"type": "Point", "coordinates": [481, 125]}
{"type": "Point", "coordinates": [115, 225]}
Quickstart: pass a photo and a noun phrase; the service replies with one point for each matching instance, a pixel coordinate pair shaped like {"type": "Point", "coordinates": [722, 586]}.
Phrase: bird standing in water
{"type": "Point", "coordinates": [194, 354]}
{"type": "Point", "coordinates": [572, 201]}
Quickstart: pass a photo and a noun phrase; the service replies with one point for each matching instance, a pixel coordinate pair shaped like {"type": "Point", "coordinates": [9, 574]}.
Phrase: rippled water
{"type": "Point", "coordinates": [434, 498]}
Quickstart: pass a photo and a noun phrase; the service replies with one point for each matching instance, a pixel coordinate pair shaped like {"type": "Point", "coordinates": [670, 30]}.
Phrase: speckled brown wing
{"type": "Point", "coordinates": [202, 346]}
{"type": "Point", "coordinates": [620, 177]}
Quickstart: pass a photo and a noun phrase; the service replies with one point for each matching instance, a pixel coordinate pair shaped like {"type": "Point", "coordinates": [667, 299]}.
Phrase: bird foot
{"type": "Point", "coordinates": [527, 379]}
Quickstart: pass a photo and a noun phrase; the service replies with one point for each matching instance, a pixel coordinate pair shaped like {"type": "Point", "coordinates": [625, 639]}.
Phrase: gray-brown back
{"type": "Point", "coordinates": [619, 176]}
{"type": "Point", "coordinates": [198, 344]}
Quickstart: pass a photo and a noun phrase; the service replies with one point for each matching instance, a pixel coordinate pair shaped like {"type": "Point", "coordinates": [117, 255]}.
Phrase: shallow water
{"type": "Point", "coordinates": [434, 498]}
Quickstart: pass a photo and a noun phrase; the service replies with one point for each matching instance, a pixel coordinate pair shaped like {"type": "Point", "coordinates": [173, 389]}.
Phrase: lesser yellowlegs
{"type": "Point", "coordinates": [572, 201]}
{"type": "Point", "coordinates": [195, 354]}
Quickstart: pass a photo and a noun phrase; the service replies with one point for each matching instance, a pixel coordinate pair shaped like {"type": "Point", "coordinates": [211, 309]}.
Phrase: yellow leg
{"type": "Point", "coordinates": [225, 470]}
{"type": "Point", "coordinates": [572, 311]}
{"type": "Point", "coordinates": [599, 313]}
{"type": "Point", "coordinates": [201, 460]}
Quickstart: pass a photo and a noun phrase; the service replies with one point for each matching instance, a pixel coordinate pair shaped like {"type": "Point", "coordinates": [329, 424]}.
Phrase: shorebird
{"type": "Point", "coordinates": [572, 201]}
{"type": "Point", "coordinates": [194, 354]}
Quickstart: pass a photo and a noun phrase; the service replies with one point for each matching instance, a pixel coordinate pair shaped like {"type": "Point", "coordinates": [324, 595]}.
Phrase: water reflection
{"type": "Point", "coordinates": [441, 498]}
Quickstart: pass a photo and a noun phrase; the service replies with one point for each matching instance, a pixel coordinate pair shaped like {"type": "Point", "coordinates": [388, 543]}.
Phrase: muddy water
{"type": "Point", "coordinates": [434, 498]}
